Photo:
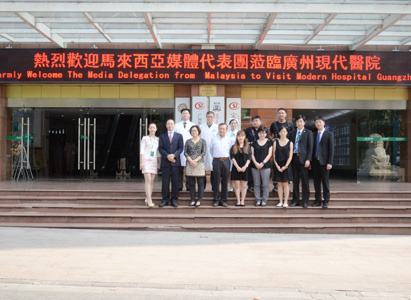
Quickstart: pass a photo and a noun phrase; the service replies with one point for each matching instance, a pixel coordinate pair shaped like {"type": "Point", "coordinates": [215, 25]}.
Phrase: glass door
{"type": "Point", "coordinates": [86, 150]}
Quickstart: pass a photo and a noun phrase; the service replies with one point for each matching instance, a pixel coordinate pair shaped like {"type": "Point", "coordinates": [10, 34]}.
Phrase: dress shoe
{"type": "Point", "coordinates": [295, 204]}
{"type": "Point", "coordinates": [174, 203]}
{"type": "Point", "coordinates": [325, 205]}
{"type": "Point", "coordinates": [224, 203]}
{"type": "Point", "coordinates": [163, 203]}
{"type": "Point", "coordinates": [316, 204]}
{"type": "Point", "coordinates": [215, 203]}
{"type": "Point", "coordinates": [305, 205]}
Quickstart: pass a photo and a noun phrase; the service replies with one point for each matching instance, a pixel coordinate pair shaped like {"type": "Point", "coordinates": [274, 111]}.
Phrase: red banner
{"type": "Point", "coordinates": [205, 67]}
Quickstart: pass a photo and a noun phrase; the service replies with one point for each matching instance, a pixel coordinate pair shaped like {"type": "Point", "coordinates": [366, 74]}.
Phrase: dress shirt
{"type": "Point", "coordinates": [220, 147]}
{"type": "Point", "coordinates": [172, 134]}
{"type": "Point", "coordinates": [320, 132]}
{"type": "Point", "coordinates": [296, 145]}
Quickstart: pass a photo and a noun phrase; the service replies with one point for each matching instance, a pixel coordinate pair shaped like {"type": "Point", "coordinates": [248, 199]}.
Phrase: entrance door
{"type": "Point", "coordinates": [106, 142]}
{"type": "Point", "coordinates": [86, 149]}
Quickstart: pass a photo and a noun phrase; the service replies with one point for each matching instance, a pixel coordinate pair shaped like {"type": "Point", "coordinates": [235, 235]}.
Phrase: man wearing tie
{"type": "Point", "coordinates": [183, 127]}
{"type": "Point", "coordinates": [303, 149]}
{"type": "Point", "coordinates": [322, 161]}
{"type": "Point", "coordinates": [171, 145]}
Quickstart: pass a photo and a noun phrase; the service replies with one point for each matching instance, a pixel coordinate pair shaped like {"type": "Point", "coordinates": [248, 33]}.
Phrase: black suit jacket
{"type": "Point", "coordinates": [175, 147]}
{"type": "Point", "coordinates": [326, 148]}
{"type": "Point", "coordinates": [305, 144]}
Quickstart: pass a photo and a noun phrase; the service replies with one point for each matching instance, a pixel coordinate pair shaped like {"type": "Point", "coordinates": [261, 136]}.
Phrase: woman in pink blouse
{"type": "Point", "coordinates": [149, 161]}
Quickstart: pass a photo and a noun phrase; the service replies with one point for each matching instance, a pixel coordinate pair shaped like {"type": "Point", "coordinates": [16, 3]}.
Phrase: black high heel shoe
{"type": "Point", "coordinates": [198, 203]}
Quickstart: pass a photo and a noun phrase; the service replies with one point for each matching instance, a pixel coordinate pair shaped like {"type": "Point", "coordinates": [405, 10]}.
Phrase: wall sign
{"type": "Point", "coordinates": [204, 67]}
{"type": "Point", "coordinates": [199, 110]}
{"type": "Point", "coordinates": [180, 103]}
{"type": "Point", "coordinates": [207, 90]}
{"type": "Point", "coordinates": [234, 110]}
{"type": "Point", "coordinates": [217, 105]}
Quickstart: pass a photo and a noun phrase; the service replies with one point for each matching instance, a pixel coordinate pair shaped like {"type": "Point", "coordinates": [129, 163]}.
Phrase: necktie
{"type": "Point", "coordinates": [170, 137]}
{"type": "Point", "coordinates": [296, 141]}
{"type": "Point", "coordinates": [185, 124]}
{"type": "Point", "coordinates": [318, 144]}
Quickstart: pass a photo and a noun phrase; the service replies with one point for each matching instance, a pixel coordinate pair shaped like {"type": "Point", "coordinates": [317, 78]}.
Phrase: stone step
{"type": "Point", "coordinates": [129, 200]}
{"type": "Point", "coordinates": [204, 209]}
{"type": "Point", "coordinates": [212, 219]}
{"type": "Point", "coordinates": [140, 193]}
{"type": "Point", "coordinates": [331, 228]}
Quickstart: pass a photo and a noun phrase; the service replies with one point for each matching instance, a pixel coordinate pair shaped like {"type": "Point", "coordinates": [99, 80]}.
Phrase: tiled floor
{"type": "Point", "coordinates": [335, 186]}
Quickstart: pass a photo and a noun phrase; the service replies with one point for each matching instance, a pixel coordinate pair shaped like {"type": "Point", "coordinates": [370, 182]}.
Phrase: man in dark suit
{"type": "Point", "coordinates": [171, 145]}
{"type": "Point", "coordinates": [323, 156]}
{"type": "Point", "coordinates": [303, 149]}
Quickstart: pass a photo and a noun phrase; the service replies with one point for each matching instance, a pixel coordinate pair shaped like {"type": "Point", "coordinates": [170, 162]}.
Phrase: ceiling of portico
{"type": "Point", "coordinates": [228, 24]}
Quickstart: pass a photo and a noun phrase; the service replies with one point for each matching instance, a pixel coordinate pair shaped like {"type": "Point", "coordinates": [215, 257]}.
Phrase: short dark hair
{"type": "Point", "coordinates": [181, 111]}
{"type": "Point", "coordinates": [255, 117]}
{"type": "Point", "coordinates": [319, 118]}
{"type": "Point", "coordinates": [262, 128]}
{"type": "Point", "coordinates": [281, 109]}
{"type": "Point", "coordinates": [226, 126]}
{"type": "Point", "coordinates": [282, 127]}
{"type": "Point", "coordinates": [170, 119]}
{"type": "Point", "coordinates": [300, 117]}
{"type": "Point", "coordinates": [198, 128]}
{"type": "Point", "coordinates": [210, 113]}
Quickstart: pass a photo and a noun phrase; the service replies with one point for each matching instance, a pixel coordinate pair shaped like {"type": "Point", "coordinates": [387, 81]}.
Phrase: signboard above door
{"type": "Point", "coordinates": [204, 67]}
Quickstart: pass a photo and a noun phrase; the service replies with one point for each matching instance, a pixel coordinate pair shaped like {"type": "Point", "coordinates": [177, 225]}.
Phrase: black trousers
{"type": "Point", "coordinates": [250, 181]}
{"type": "Point", "coordinates": [300, 172]}
{"type": "Point", "coordinates": [167, 174]}
{"type": "Point", "coordinates": [191, 182]}
{"type": "Point", "coordinates": [221, 169]}
{"type": "Point", "coordinates": [181, 178]}
{"type": "Point", "coordinates": [211, 180]}
{"type": "Point", "coordinates": [321, 176]}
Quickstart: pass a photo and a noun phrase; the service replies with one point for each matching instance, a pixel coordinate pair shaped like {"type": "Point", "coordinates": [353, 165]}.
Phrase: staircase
{"type": "Point", "coordinates": [349, 213]}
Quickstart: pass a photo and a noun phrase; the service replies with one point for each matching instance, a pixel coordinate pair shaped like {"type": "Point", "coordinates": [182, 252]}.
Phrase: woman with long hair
{"type": "Point", "coordinates": [149, 161]}
{"type": "Point", "coordinates": [283, 154]}
{"type": "Point", "coordinates": [240, 158]}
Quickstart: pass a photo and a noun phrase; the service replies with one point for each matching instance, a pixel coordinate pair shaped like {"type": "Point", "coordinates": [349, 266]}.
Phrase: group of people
{"type": "Point", "coordinates": [244, 157]}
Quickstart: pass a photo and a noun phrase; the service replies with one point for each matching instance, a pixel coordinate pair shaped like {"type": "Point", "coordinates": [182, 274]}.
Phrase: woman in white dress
{"type": "Point", "coordinates": [149, 161]}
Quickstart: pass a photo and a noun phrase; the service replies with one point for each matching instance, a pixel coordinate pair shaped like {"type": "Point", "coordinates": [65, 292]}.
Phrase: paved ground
{"type": "Point", "coordinates": [92, 264]}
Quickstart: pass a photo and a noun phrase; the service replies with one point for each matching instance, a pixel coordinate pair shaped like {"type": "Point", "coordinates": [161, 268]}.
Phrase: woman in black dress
{"type": "Point", "coordinates": [240, 157]}
{"type": "Point", "coordinates": [283, 154]}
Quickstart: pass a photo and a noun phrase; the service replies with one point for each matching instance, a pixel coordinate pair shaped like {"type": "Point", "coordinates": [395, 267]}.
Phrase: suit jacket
{"type": "Point", "coordinates": [305, 144]}
{"type": "Point", "coordinates": [176, 147]}
{"type": "Point", "coordinates": [326, 148]}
